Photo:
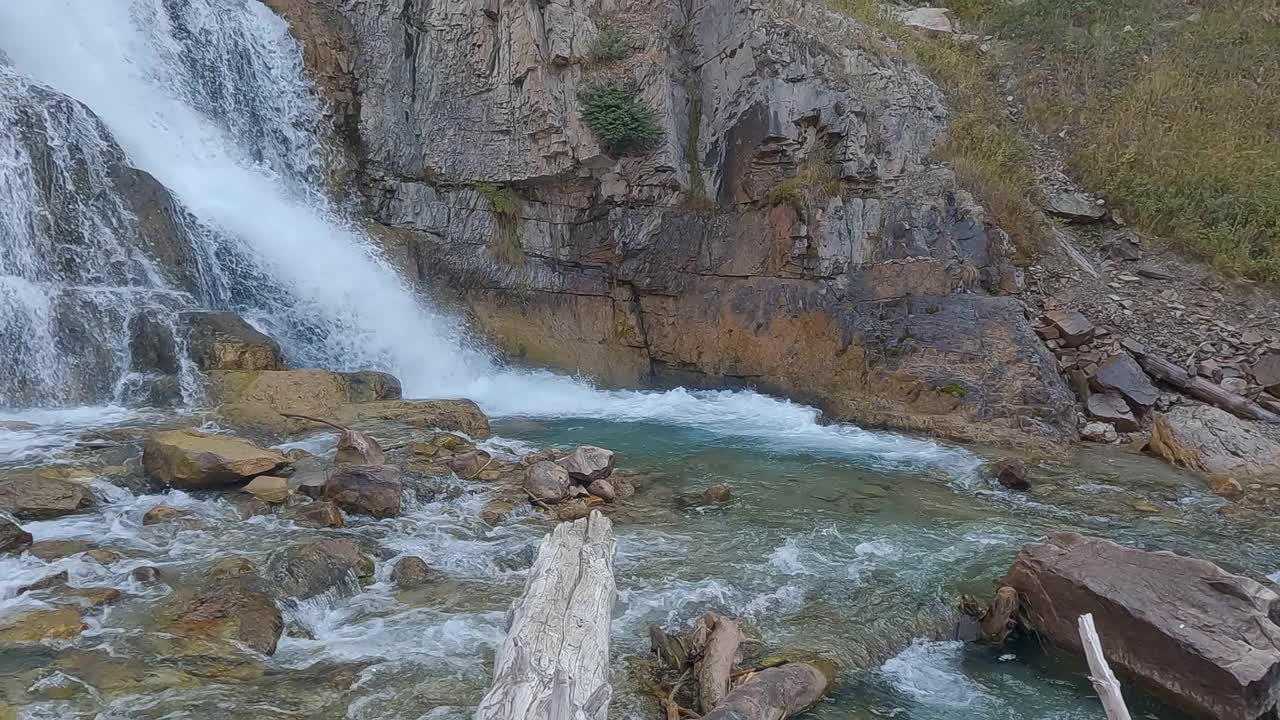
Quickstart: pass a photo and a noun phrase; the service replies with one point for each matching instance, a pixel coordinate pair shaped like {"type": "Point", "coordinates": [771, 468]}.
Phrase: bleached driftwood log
{"type": "Point", "coordinates": [554, 662]}
{"type": "Point", "coordinates": [1104, 681]}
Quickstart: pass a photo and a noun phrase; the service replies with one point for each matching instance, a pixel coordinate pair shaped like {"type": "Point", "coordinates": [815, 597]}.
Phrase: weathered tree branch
{"type": "Point", "coordinates": [1104, 681]}
{"type": "Point", "coordinates": [775, 694]}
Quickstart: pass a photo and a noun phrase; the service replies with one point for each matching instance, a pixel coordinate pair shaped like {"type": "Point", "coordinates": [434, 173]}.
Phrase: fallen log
{"type": "Point", "coordinates": [1199, 388]}
{"type": "Point", "coordinates": [775, 693]}
{"type": "Point", "coordinates": [554, 662]}
{"type": "Point", "coordinates": [1104, 681]}
{"type": "Point", "coordinates": [718, 658]}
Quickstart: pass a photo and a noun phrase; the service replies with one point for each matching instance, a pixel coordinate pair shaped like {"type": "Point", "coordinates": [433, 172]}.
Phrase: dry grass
{"type": "Point", "coordinates": [812, 185]}
{"type": "Point", "coordinates": [1171, 110]}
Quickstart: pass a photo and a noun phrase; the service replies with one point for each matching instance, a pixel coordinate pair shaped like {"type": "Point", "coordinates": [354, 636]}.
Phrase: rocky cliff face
{"type": "Point", "coordinates": [787, 233]}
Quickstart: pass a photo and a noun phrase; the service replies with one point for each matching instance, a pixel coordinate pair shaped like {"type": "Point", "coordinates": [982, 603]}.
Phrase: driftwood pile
{"type": "Point", "coordinates": [698, 676]}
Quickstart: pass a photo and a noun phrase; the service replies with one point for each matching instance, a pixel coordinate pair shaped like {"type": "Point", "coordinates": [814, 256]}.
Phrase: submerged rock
{"type": "Point", "coordinates": [160, 514]}
{"type": "Point", "coordinates": [588, 463]}
{"type": "Point", "coordinates": [50, 550]}
{"type": "Point", "coordinates": [717, 494]}
{"type": "Point", "coordinates": [318, 514]}
{"type": "Point", "coordinates": [1012, 473]}
{"type": "Point", "coordinates": [31, 497]}
{"type": "Point", "coordinates": [365, 489]}
{"type": "Point", "coordinates": [225, 341]}
{"type": "Point", "coordinates": [411, 572]}
{"type": "Point", "coordinates": [193, 460]}
{"type": "Point", "coordinates": [63, 623]}
{"type": "Point", "coordinates": [546, 482]}
{"type": "Point", "coordinates": [1200, 637]}
{"type": "Point", "coordinates": [308, 569]}
{"type": "Point", "coordinates": [1202, 437]}
{"type": "Point", "coordinates": [228, 608]}
{"type": "Point", "coordinates": [13, 539]}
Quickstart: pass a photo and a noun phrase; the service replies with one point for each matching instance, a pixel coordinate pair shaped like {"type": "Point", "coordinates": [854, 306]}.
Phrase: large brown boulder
{"type": "Point", "coordinates": [32, 497]}
{"type": "Point", "coordinates": [1202, 437]}
{"type": "Point", "coordinates": [588, 463]}
{"type": "Point", "coordinates": [308, 569]}
{"type": "Point", "coordinates": [192, 460]}
{"type": "Point", "coordinates": [224, 341]}
{"type": "Point", "coordinates": [13, 539]}
{"type": "Point", "coordinates": [1197, 636]}
{"type": "Point", "coordinates": [365, 489]}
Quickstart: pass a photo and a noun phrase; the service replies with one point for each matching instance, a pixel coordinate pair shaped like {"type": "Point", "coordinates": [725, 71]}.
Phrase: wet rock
{"type": "Point", "coordinates": [358, 448]}
{"type": "Point", "coordinates": [62, 623]}
{"type": "Point", "coordinates": [1074, 329]}
{"type": "Point", "coordinates": [546, 482]}
{"type": "Point", "coordinates": [13, 539]}
{"type": "Point", "coordinates": [1225, 486]}
{"type": "Point", "coordinates": [318, 514]}
{"type": "Point", "coordinates": [603, 489]}
{"type": "Point", "coordinates": [494, 511]}
{"type": "Point", "coordinates": [1012, 473]}
{"type": "Point", "coordinates": [268, 488]}
{"type": "Point", "coordinates": [161, 514]}
{"type": "Point", "coordinates": [573, 510]}
{"type": "Point", "coordinates": [48, 581]}
{"type": "Point", "coordinates": [717, 494]}
{"type": "Point", "coordinates": [192, 460]}
{"type": "Point", "coordinates": [31, 497]}
{"type": "Point", "coordinates": [248, 506]}
{"type": "Point", "coordinates": [1099, 432]}
{"type": "Point", "coordinates": [85, 598]}
{"type": "Point", "coordinates": [1123, 246]}
{"type": "Point", "coordinates": [50, 550]}
{"type": "Point", "coordinates": [229, 608]}
{"type": "Point", "coordinates": [931, 19]}
{"type": "Point", "coordinates": [145, 574]}
{"type": "Point", "coordinates": [365, 489]}
{"type": "Point", "coordinates": [151, 346]}
{"type": "Point", "coordinates": [588, 463]}
{"type": "Point", "coordinates": [411, 572]}
{"type": "Point", "coordinates": [469, 465]}
{"type": "Point", "coordinates": [372, 386]}
{"type": "Point", "coordinates": [308, 569]}
{"type": "Point", "coordinates": [103, 556]}
{"type": "Point", "coordinates": [1122, 374]}
{"type": "Point", "coordinates": [1111, 408]}
{"type": "Point", "coordinates": [1199, 637]}
{"type": "Point", "coordinates": [1075, 207]}
{"type": "Point", "coordinates": [1202, 437]}
{"type": "Point", "coordinates": [224, 341]}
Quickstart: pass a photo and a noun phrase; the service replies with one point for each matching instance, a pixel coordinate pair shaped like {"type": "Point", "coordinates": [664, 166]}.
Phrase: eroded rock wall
{"type": "Point", "coordinates": [876, 291]}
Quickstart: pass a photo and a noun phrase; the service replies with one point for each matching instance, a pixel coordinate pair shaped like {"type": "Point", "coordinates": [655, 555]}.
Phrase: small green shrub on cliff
{"type": "Point", "coordinates": [504, 204]}
{"type": "Point", "coordinates": [611, 45]}
{"type": "Point", "coordinates": [621, 121]}
{"type": "Point", "coordinates": [812, 185]}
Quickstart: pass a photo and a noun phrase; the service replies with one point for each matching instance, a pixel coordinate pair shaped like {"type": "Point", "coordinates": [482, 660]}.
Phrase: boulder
{"type": "Point", "coordinates": [1122, 374]}
{"type": "Point", "coordinates": [308, 569]}
{"type": "Point", "coordinates": [1075, 207]}
{"type": "Point", "coordinates": [1073, 328]}
{"type": "Point", "coordinates": [931, 19]}
{"type": "Point", "coordinates": [50, 550]}
{"type": "Point", "coordinates": [358, 448]}
{"type": "Point", "coordinates": [145, 574]}
{"type": "Point", "coordinates": [365, 489]}
{"type": "Point", "coordinates": [410, 572]}
{"type": "Point", "coordinates": [1266, 372]}
{"type": "Point", "coordinates": [1111, 408]}
{"type": "Point", "coordinates": [1012, 473]}
{"type": "Point", "coordinates": [372, 386]}
{"type": "Point", "coordinates": [469, 465]}
{"type": "Point", "coordinates": [319, 514]}
{"type": "Point", "coordinates": [160, 514]}
{"type": "Point", "coordinates": [603, 489]}
{"type": "Point", "coordinates": [268, 488]}
{"type": "Point", "coordinates": [1123, 246]}
{"type": "Point", "coordinates": [717, 494]}
{"type": "Point", "coordinates": [1199, 637]}
{"type": "Point", "coordinates": [224, 341]}
{"type": "Point", "coordinates": [546, 482]}
{"type": "Point", "coordinates": [1099, 432]}
{"type": "Point", "coordinates": [13, 539]}
{"type": "Point", "coordinates": [31, 497]}
{"type": "Point", "coordinates": [193, 460]}
{"type": "Point", "coordinates": [63, 623]}
{"type": "Point", "coordinates": [588, 463]}
{"type": "Point", "coordinates": [1202, 437]}
{"type": "Point", "coordinates": [229, 607]}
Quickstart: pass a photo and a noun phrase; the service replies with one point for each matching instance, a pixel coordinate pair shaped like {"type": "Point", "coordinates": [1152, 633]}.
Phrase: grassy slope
{"type": "Point", "coordinates": [1170, 108]}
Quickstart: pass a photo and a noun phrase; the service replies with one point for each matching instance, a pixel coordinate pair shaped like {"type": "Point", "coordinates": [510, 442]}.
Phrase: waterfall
{"type": "Point", "coordinates": [210, 98]}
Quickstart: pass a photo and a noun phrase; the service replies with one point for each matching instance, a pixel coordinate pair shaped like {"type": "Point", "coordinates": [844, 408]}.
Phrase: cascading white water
{"type": "Point", "coordinates": [209, 96]}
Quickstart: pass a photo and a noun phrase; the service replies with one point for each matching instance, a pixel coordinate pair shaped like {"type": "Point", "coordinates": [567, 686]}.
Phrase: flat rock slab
{"type": "Point", "coordinates": [1123, 375]}
{"type": "Point", "coordinates": [192, 460]}
{"type": "Point", "coordinates": [1111, 408]}
{"type": "Point", "coordinates": [1074, 329]}
{"type": "Point", "coordinates": [936, 20]}
{"type": "Point", "coordinates": [1075, 207]}
{"type": "Point", "coordinates": [1203, 437]}
{"type": "Point", "coordinates": [1201, 638]}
